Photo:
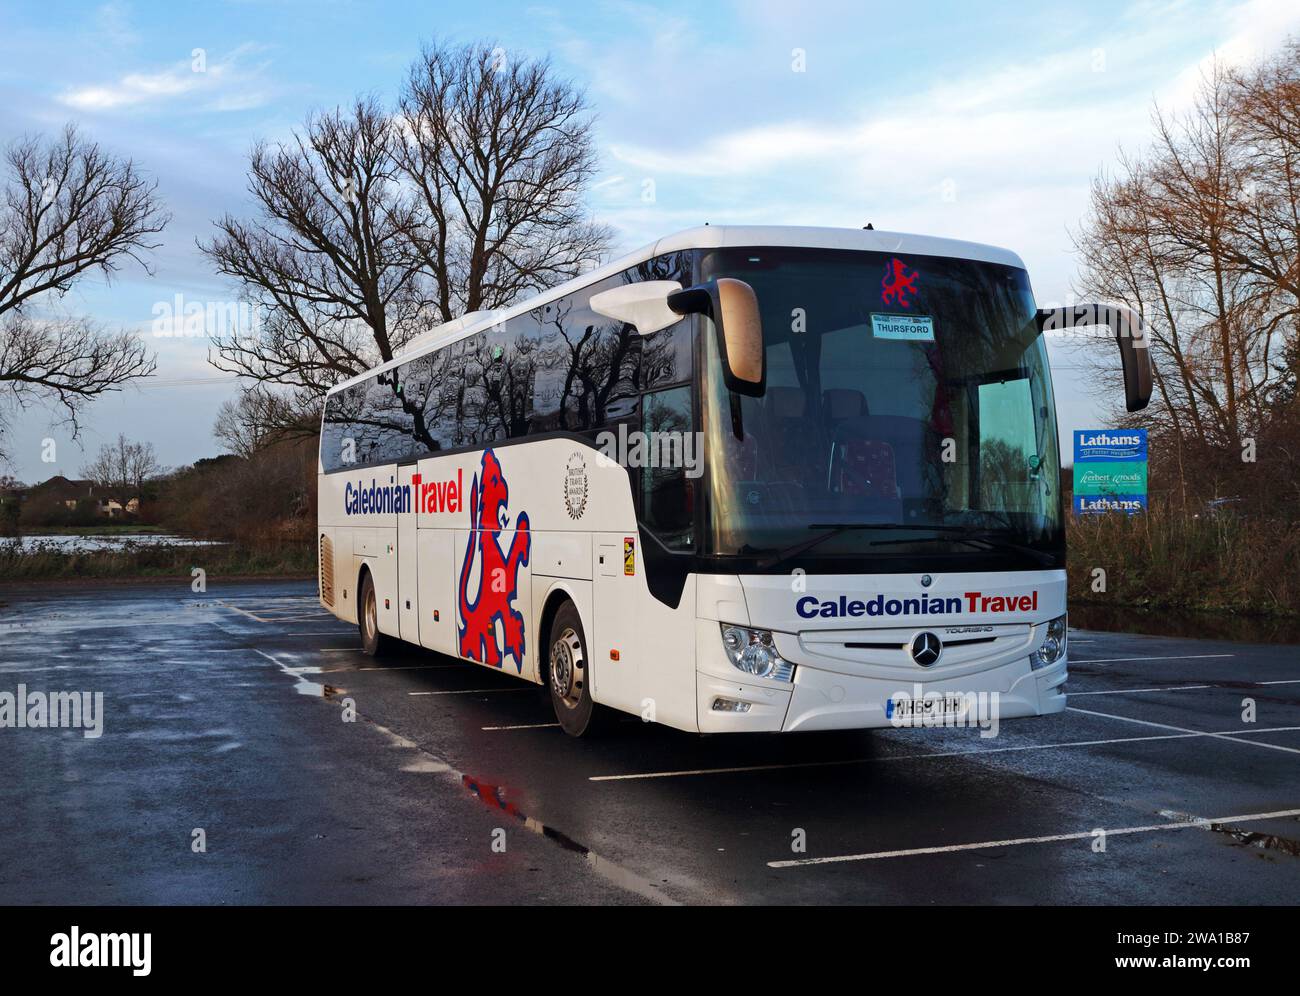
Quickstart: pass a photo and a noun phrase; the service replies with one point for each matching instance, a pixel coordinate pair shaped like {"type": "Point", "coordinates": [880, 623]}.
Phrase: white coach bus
{"type": "Point", "coordinates": [746, 479]}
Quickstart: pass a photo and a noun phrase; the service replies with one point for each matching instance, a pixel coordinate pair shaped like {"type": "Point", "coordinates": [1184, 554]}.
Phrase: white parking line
{"type": "Point", "coordinates": [1134, 691]}
{"type": "Point", "coordinates": [1180, 657]}
{"type": "Point", "coordinates": [242, 612]}
{"type": "Point", "coordinates": [347, 632]}
{"type": "Point", "coordinates": [1191, 734]}
{"type": "Point", "coordinates": [523, 726]}
{"type": "Point", "coordinates": [1183, 729]}
{"type": "Point", "coordinates": [398, 667]}
{"type": "Point", "coordinates": [1186, 688]}
{"type": "Point", "coordinates": [1046, 839]}
{"type": "Point", "coordinates": [413, 667]}
{"type": "Point", "coordinates": [474, 691]}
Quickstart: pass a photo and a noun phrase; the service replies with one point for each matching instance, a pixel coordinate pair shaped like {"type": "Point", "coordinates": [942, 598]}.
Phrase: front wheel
{"type": "Point", "coordinates": [569, 674]}
{"type": "Point", "coordinates": [373, 642]}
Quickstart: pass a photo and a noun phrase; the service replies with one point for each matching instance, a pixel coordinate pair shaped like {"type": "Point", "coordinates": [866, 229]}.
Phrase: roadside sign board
{"type": "Point", "coordinates": [1110, 470]}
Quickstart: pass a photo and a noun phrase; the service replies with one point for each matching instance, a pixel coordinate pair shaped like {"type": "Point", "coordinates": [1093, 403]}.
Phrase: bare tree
{"type": "Point", "coordinates": [68, 209]}
{"type": "Point", "coordinates": [260, 416]}
{"type": "Point", "coordinates": [1160, 237]}
{"type": "Point", "coordinates": [373, 227]}
{"type": "Point", "coordinates": [1265, 220]}
{"type": "Point", "coordinates": [327, 262]}
{"type": "Point", "coordinates": [122, 468]}
{"type": "Point", "coordinates": [1201, 235]}
{"type": "Point", "coordinates": [500, 152]}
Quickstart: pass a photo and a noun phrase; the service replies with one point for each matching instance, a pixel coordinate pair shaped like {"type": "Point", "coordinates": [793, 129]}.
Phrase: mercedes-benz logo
{"type": "Point", "coordinates": [926, 648]}
{"type": "Point", "coordinates": [926, 580]}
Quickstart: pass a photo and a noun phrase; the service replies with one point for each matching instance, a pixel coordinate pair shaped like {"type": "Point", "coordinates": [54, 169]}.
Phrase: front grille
{"type": "Point", "coordinates": [893, 646]}
{"type": "Point", "coordinates": [884, 652]}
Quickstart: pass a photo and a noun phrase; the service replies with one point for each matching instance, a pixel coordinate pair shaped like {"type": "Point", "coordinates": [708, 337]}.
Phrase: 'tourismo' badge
{"type": "Point", "coordinates": [903, 328]}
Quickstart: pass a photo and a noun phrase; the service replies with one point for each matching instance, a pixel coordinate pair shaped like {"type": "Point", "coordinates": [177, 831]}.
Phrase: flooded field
{"type": "Point", "coordinates": [59, 543]}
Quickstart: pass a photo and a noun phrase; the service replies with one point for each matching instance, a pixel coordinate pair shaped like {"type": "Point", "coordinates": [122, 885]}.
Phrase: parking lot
{"type": "Point", "coordinates": [246, 718]}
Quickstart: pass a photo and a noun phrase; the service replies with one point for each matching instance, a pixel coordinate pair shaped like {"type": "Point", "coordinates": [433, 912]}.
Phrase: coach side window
{"type": "Point", "coordinates": [421, 395]}
{"type": "Point", "coordinates": [665, 356]}
{"type": "Point", "coordinates": [384, 426]}
{"type": "Point", "coordinates": [581, 368]}
{"type": "Point", "coordinates": [513, 354]}
{"type": "Point", "coordinates": [669, 465]}
{"type": "Point", "coordinates": [338, 436]}
{"type": "Point", "coordinates": [601, 356]}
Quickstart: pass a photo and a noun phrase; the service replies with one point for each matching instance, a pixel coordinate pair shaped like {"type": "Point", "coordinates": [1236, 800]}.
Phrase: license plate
{"type": "Point", "coordinates": [909, 709]}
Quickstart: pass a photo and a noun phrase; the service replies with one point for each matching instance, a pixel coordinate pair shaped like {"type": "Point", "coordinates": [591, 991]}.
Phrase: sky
{"type": "Point", "coordinates": [974, 121]}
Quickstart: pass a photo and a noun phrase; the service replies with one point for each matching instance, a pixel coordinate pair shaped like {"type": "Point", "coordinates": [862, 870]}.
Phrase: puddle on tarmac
{"type": "Point", "coordinates": [301, 685]}
{"type": "Point", "coordinates": [1193, 625]}
{"type": "Point", "coordinates": [493, 796]}
{"type": "Point", "coordinates": [1263, 841]}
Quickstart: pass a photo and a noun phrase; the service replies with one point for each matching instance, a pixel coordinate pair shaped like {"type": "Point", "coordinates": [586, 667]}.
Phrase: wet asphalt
{"type": "Point", "coordinates": [318, 775]}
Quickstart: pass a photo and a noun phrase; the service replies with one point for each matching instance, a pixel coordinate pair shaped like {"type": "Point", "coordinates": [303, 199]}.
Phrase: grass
{"type": "Point", "coordinates": [1169, 559]}
{"type": "Point", "coordinates": [39, 562]}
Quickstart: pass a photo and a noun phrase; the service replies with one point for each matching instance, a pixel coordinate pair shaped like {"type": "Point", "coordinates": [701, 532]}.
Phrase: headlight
{"type": "Point", "coordinates": [1053, 648]}
{"type": "Point", "coordinates": [753, 652]}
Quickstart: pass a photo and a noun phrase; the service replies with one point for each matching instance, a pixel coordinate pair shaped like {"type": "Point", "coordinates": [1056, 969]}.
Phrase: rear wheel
{"type": "Point", "coordinates": [569, 674]}
{"type": "Point", "coordinates": [373, 642]}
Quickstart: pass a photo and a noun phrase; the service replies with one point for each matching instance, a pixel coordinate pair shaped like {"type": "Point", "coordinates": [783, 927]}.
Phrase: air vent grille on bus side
{"type": "Point", "coordinates": [326, 570]}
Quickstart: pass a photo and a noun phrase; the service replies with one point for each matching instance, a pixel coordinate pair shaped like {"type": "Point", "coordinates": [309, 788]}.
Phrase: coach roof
{"type": "Point", "coordinates": [703, 237]}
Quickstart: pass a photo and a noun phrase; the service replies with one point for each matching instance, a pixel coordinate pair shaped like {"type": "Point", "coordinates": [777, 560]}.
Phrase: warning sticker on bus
{"type": "Point", "coordinates": [903, 328]}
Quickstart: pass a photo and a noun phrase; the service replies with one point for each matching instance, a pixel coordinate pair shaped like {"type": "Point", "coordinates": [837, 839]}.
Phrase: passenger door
{"type": "Point", "coordinates": [614, 600]}
{"type": "Point", "coordinates": [408, 561]}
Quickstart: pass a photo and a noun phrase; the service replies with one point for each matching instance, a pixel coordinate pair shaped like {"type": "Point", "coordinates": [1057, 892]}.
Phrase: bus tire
{"type": "Point", "coordinates": [373, 642]}
{"type": "Point", "coordinates": [568, 674]}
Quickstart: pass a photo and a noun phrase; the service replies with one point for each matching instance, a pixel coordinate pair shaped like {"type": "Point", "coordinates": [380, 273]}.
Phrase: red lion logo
{"type": "Point", "coordinates": [896, 286]}
{"type": "Point", "coordinates": [498, 573]}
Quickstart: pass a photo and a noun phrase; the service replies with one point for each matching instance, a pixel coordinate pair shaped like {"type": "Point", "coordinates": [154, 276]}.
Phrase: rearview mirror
{"type": "Point", "coordinates": [643, 305]}
{"type": "Point", "coordinates": [733, 306]}
{"type": "Point", "coordinates": [1126, 324]}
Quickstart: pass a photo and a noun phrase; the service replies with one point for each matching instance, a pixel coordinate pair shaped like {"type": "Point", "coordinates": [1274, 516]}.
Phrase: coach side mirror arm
{"type": "Point", "coordinates": [733, 307]}
{"type": "Point", "coordinates": [642, 304]}
{"type": "Point", "coordinates": [1126, 324]}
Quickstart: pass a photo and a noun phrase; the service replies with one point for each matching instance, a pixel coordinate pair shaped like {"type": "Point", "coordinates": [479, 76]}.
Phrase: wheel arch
{"type": "Point", "coordinates": [364, 569]}
{"type": "Point", "coordinates": [560, 592]}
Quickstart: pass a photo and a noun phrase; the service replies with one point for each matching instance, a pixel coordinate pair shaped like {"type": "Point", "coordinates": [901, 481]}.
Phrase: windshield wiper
{"type": "Point", "coordinates": [832, 529]}
{"type": "Point", "coordinates": [952, 534]}
{"type": "Point", "coordinates": [957, 534]}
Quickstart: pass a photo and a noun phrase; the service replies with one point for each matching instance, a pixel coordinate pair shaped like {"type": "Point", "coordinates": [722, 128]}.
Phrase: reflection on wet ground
{"type": "Point", "coordinates": [418, 779]}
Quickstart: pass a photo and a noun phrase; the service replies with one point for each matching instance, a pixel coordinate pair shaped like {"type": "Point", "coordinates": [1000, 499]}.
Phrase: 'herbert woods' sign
{"type": "Point", "coordinates": [1110, 470]}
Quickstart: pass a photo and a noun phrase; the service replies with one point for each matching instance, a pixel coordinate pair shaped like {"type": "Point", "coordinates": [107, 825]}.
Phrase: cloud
{"type": "Point", "coordinates": [998, 153]}
{"type": "Point", "coordinates": [113, 23]}
{"type": "Point", "coordinates": [1260, 27]}
{"type": "Point", "coordinates": [225, 85]}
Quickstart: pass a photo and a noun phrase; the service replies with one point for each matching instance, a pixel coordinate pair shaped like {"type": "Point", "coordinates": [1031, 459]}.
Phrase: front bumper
{"type": "Point", "coordinates": [823, 699]}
